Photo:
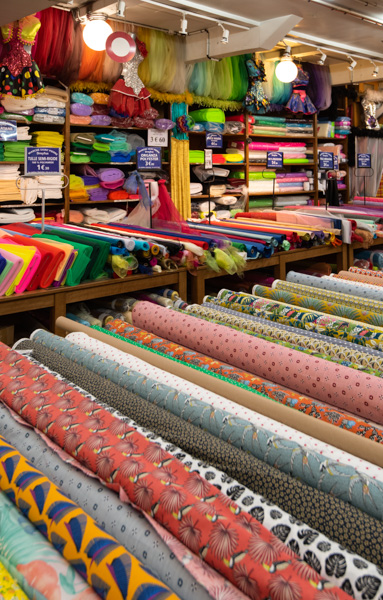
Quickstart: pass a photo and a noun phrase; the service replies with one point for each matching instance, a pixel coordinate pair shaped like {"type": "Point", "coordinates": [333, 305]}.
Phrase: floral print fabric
{"type": "Point", "coordinates": [359, 277]}
{"type": "Point", "coordinates": [35, 564]}
{"type": "Point", "coordinates": [243, 379]}
{"type": "Point", "coordinates": [319, 472]}
{"type": "Point", "coordinates": [128, 360]}
{"type": "Point", "coordinates": [9, 588]}
{"type": "Point", "coordinates": [232, 542]}
{"type": "Point", "coordinates": [272, 334]}
{"type": "Point", "coordinates": [368, 272]}
{"type": "Point", "coordinates": [333, 517]}
{"type": "Point", "coordinates": [324, 306]}
{"type": "Point", "coordinates": [351, 390]}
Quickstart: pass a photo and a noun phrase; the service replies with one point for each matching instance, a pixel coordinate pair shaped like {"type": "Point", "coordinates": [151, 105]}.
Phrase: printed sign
{"type": "Point", "coordinates": [364, 161]}
{"type": "Point", "coordinates": [326, 160]}
{"type": "Point", "coordinates": [336, 162]}
{"type": "Point", "coordinates": [8, 131]}
{"type": "Point", "coordinates": [42, 161]}
{"type": "Point", "coordinates": [158, 138]}
{"type": "Point", "coordinates": [149, 158]}
{"type": "Point", "coordinates": [274, 160]}
{"type": "Point", "coordinates": [214, 140]}
{"type": "Point", "coordinates": [208, 159]}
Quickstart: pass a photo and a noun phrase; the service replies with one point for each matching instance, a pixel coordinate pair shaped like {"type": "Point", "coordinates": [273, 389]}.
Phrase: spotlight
{"type": "Point", "coordinates": [352, 64]}
{"type": "Point", "coordinates": [322, 58]}
{"type": "Point", "coordinates": [375, 72]}
{"type": "Point", "coordinates": [184, 25]}
{"type": "Point", "coordinates": [286, 71]}
{"type": "Point", "coordinates": [225, 34]}
{"type": "Point", "coordinates": [96, 31]}
{"type": "Point", "coordinates": [120, 8]}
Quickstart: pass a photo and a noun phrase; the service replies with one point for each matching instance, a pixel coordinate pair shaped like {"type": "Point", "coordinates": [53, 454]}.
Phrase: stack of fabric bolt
{"type": "Point", "coordinates": [113, 147]}
{"type": "Point", "coordinates": [280, 126]}
{"type": "Point", "coordinates": [8, 178]}
{"type": "Point", "coordinates": [293, 152]}
{"type": "Point", "coordinates": [51, 106]}
{"type": "Point", "coordinates": [17, 109]}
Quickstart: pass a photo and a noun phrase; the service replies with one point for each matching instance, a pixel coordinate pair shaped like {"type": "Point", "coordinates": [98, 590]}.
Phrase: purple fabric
{"type": "Point", "coordinates": [81, 110]}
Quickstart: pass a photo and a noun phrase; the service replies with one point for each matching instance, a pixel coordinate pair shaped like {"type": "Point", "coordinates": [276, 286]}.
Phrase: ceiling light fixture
{"type": "Point", "coordinates": [225, 34]}
{"type": "Point", "coordinates": [375, 72]}
{"type": "Point", "coordinates": [322, 58]}
{"type": "Point", "coordinates": [96, 31]}
{"type": "Point", "coordinates": [184, 25]}
{"type": "Point", "coordinates": [120, 8]}
{"type": "Point", "coordinates": [352, 64]}
{"type": "Point", "coordinates": [286, 71]}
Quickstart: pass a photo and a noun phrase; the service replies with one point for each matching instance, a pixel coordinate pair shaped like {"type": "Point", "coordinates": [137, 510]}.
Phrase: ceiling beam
{"type": "Point", "coordinates": [256, 39]}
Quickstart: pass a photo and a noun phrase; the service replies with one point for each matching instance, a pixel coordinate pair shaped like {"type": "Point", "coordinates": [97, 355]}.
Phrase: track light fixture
{"type": "Point", "coordinates": [184, 25]}
{"type": "Point", "coordinates": [352, 64]}
{"type": "Point", "coordinates": [225, 34]}
{"type": "Point", "coordinates": [375, 72]}
{"type": "Point", "coordinates": [120, 8]}
{"type": "Point", "coordinates": [322, 58]}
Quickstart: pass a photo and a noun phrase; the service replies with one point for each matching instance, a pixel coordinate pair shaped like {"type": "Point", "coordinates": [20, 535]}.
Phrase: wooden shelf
{"type": "Point", "coordinates": [221, 165]}
{"type": "Point", "coordinates": [236, 135]}
{"type": "Point", "coordinates": [106, 127]}
{"type": "Point", "coordinates": [290, 136]}
{"type": "Point", "coordinates": [310, 164]}
{"type": "Point", "coordinates": [276, 193]}
{"type": "Point", "coordinates": [98, 202]}
{"type": "Point", "coordinates": [201, 196]}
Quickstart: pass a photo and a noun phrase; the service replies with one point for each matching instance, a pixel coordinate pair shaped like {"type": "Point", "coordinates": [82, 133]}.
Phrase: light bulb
{"type": "Point", "coordinates": [286, 71]}
{"type": "Point", "coordinates": [96, 32]}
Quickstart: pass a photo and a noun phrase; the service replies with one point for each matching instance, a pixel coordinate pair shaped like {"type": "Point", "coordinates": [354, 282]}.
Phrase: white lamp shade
{"type": "Point", "coordinates": [286, 71]}
{"type": "Point", "coordinates": [96, 33]}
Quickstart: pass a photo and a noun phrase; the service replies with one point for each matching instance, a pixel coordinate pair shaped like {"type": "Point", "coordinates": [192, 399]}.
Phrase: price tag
{"type": "Point", "coordinates": [157, 138]}
{"type": "Point", "coordinates": [326, 160]}
{"type": "Point", "coordinates": [42, 161]}
{"type": "Point", "coordinates": [149, 158]}
{"type": "Point", "coordinates": [8, 131]}
{"type": "Point", "coordinates": [364, 161]}
{"type": "Point", "coordinates": [214, 140]}
{"type": "Point", "coordinates": [274, 160]}
{"type": "Point", "coordinates": [336, 163]}
{"type": "Point", "coordinates": [208, 159]}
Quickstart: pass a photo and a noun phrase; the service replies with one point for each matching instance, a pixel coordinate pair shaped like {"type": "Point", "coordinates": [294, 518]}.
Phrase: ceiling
{"type": "Point", "coordinates": [317, 24]}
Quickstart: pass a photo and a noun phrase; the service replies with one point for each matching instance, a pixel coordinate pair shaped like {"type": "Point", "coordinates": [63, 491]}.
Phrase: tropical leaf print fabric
{"type": "Point", "coordinates": [232, 542]}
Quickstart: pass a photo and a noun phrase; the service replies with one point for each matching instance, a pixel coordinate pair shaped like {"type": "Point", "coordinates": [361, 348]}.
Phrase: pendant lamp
{"type": "Point", "coordinates": [286, 71]}
{"type": "Point", "coordinates": [96, 31]}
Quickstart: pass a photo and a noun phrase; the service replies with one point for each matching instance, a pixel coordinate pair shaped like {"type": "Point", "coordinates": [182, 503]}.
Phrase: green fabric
{"type": "Point", "coordinates": [76, 272]}
{"type": "Point", "coordinates": [214, 115]}
{"type": "Point", "coordinates": [99, 256]}
{"type": "Point", "coordinates": [100, 157]}
{"type": "Point", "coordinates": [255, 175]}
{"type": "Point", "coordinates": [5, 271]}
{"type": "Point", "coordinates": [261, 203]}
{"type": "Point", "coordinates": [280, 133]}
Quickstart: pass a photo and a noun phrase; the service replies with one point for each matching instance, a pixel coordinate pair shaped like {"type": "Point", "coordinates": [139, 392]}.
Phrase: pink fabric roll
{"type": "Point", "coordinates": [359, 277]}
{"type": "Point", "coordinates": [357, 392]}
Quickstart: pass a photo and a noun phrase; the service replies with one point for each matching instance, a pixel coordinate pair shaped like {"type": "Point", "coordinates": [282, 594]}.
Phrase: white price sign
{"type": "Point", "coordinates": [158, 138]}
{"type": "Point", "coordinates": [208, 159]}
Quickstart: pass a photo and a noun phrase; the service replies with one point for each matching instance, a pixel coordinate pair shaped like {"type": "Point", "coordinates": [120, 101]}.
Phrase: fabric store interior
{"type": "Point", "coordinates": [191, 300]}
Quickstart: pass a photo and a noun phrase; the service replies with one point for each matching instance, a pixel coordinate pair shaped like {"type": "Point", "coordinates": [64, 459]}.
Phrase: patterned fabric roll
{"type": "Point", "coordinates": [318, 509]}
{"type": "Point", "coordinates": [330, 295]}
{"type": "Point", "coordinates": [242, 379]}
{"type": "Point", "coordinates": [367, 272]}
{"type": "Point", "coordinates": [230, 541]}
{"type": "Point", "coordinates": [328, 307]}
{"type": "Point", "coordinates": [342, 286]}
{"type": "Point", "coordinates": [315, 548]}
{"type": "Point", "coordinates": [9, 588]}
{"type": "Point", "coordinates": [359, 277]}
{"type": "Point", "coordinates": [266, 332]}
{"type": "Point", "coordinates": [349, 389]}
{"type": "Point", "coordinates": [311, 468]}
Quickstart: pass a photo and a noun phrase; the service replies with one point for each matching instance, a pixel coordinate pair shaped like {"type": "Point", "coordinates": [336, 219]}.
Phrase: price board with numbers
{"type": "Point", "coordinates": [158, 138]}
{"type": "Point", "coordinates": [42, 161]}
{"type": "Point", "coordinates": [8, 131]}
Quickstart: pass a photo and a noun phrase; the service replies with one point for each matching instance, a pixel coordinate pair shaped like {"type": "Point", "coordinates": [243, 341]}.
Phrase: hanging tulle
{"type": "Point", "coordinates": [167, 213]}
{"type": "Point", "coordinates": [319, 87]}
{"type": "Point", "coordinates": [140, 215]}
{"type": "Point", "coordinates": [164, 68]}
{"type": "Point", "coordinates": [281, 91]}
{"type": "Point", "coordinates": [222, 81]}
{"type": "Point", "coordinates": [267, 85]}
{"type": "Point", "coordinates": [72, 65]}
{"type": "Point", "coordinates": [54, 45]}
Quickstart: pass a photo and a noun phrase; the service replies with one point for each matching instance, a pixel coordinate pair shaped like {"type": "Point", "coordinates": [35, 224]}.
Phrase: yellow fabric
{"type": "Point", "coordinates": [9, 588]}
{"type": "Point", "coordinates": [26, 253]}
{"type": "Point", "coordinates": [29, 28]}
{"type": "Point", "coordinates": [180, 177]}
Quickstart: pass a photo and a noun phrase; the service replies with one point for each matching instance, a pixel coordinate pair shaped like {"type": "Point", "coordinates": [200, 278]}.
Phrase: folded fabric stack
{"type": "Point", "coordinates": [115, 147]}
{"type": "Point", "coordinates": [52, 185]}
{"type": "Point", "coordinates": [208, 119]}
{"type": "Point", "coordinates": [342, 126]}
{"type": "Point", "coordinates": [17, 109]}
{"type": "Point", "coordinates": [280, 126]}
{"type": "Point", "coordinates": [16, 215]}
{"type": "Point", "coordinates": [23, 133]}
{"type": "Point", "coordinates": [217, 183]}
{"type": "Point", "coordinates": [1, 152]}
{"type": "Point", "coordinates": [105, 215]}
{"type": "Point", "coordinates": [293, 152]}
{"type": "Point", "coordinates": [261, 182]}
{"type": "Point", "coordinates": [51, 106]}
{"type": "Point", "coordinates": [77, 191]}
{"type": "Point", "coordinates": [15, 151]}
{"type": "Point", "coordinates": [198, 157]}
{"type": "Point", "coordinates": [82, 106]}
{"type": "Point", "coordinates": [50, 139]}
{"type": "Point", "coordinates": [8, 187]}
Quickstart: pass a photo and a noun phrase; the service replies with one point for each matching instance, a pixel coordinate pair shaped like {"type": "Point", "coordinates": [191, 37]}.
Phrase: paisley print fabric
{"type": "Point", "coordinates": [355, 576]}
{"type": "Point", "coordinates": [351, 390]}
{"type": "Point", "coordinates": [250, 416]}
{"type": "Point", "coordinates": [270, 334]}
{"type": "Point", "coordinates": [243, 379]}
{"type": "Point", "coordinates": [232, 542]}
{"type": "Point", "coordinates": [368, 293]}
{"type": "Point", "coordinates": [9, 588]}
{"type": "Point", "coordinates": [336, 519]}
{"type": "Point", "coordinates": [319, 472]}
{"type": "Point", "coordinates": [374, 306]}
{"type": "Point", "coordinates": [358, 333]}
{"type": "Point", "coordinates": [328, 307]}
{"type": "Point", "coordinates": [35, 564]}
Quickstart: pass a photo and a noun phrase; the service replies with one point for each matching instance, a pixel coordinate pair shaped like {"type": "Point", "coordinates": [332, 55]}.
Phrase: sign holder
{"type": "Point", "coordinates": [275, 162]}
{"type": "Point", "coordinates": [42, 189]}
{"type": "Point", "coordinates": [364, 176]}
